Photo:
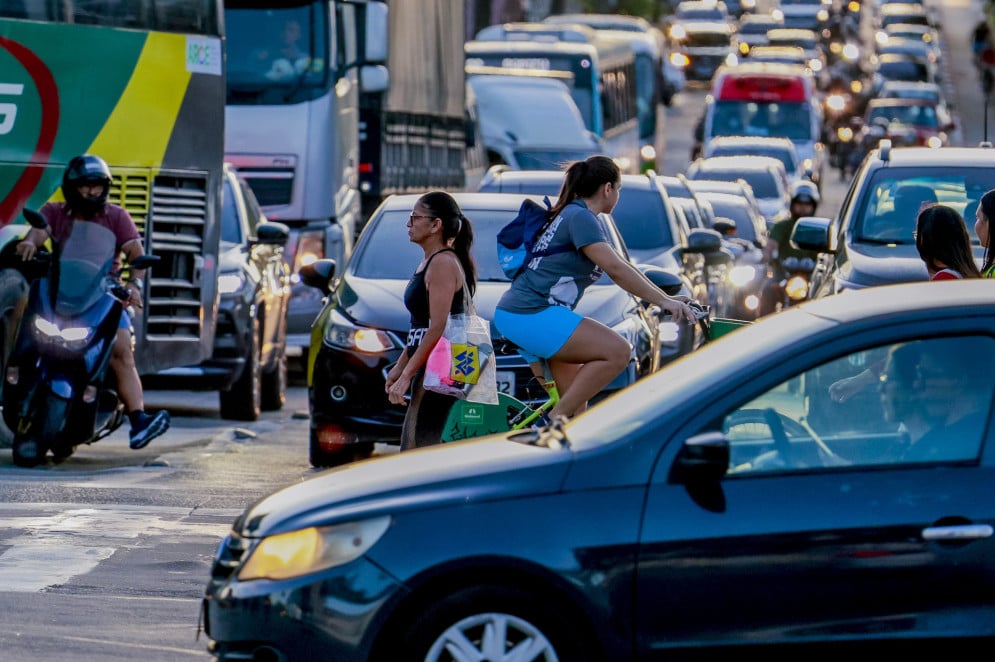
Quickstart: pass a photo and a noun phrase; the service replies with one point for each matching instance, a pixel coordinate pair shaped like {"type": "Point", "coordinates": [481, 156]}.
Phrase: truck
{"type": "Point", "coordinates": [414, 135]}
{"type": "Point", "coordinates": [296, 70]}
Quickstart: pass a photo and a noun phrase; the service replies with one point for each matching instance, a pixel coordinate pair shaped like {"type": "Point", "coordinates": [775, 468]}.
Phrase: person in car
{"type": "Point", "coordinates": [982, 227]}
{"type": "Point", "coordinates": [944, 245]}
{"type": "Point", "coordinates": [86, 183]}
{"type": "Point", "coordinates": [435, 291]}
{"type": "Point", "coordinates": [899, 223]}
{"type": "Point", "coordinates": [537, 311]}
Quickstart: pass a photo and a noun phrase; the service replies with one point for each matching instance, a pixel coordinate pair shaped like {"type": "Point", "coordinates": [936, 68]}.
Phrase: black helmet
{"type": "Point", "coordinates": [806, 192]}
{"type": "Point", "coordinates": [86, 169]}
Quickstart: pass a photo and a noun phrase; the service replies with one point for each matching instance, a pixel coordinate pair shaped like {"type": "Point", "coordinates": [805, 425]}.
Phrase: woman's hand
{"type": "Point", "coordinates": [397, 387]}
{"type": "Point", "coordinates": [679, 310]}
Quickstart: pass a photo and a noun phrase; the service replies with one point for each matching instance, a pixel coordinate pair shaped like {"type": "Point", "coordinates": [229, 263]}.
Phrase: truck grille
{"type": "Point", "coordinates": [177, 207]}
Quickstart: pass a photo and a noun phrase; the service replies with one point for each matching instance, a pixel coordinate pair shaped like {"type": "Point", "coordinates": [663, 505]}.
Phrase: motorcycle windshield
{"type": "Point", "coordinates": [84, 263]}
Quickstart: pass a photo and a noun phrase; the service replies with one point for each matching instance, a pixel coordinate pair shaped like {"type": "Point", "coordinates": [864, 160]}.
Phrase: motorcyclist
{"type": "Point", "coordinates": [804, 201]}
{"type": "Point", "coordinates": [85, 185]}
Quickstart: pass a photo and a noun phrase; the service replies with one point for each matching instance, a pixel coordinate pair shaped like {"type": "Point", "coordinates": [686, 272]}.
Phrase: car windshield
{"type": "Point", "coordinates": [231, 231]}
{"type": "Point", "coordinates": [763, 182]}
{"type": "Point", "coordinates": [904, 70]}
{"type": "Point", "coordinates": [887, 212]}
{"type": "Point", "coordinates": [926, 93]}
{"type": "Point", "coordinates": [749, 118]}
{"type": "Point", "coordinates": [706, 39]}
{"type": "Point", "coordinates": [738, 211]}
{"type": "Point", "coordinates": [386, 253]}
{"type": "Point", "coordinates": [802, 42]}
{"type": "Point", "coordinates": [638, 217]}
{"type": "Point", "coordinates": [918, 115]}
{"type": "Point", "coordinates": [756, 28]}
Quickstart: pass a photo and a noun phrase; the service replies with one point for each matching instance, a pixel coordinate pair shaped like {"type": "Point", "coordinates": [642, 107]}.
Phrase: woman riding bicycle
{"type": "Point", "coordinates": [537, 314]}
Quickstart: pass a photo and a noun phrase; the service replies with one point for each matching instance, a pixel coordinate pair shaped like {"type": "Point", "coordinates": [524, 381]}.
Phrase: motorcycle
{"type": "Point", "coordinates": [59, 390]}
{"type": "Point", "coordinates": [789, 284]}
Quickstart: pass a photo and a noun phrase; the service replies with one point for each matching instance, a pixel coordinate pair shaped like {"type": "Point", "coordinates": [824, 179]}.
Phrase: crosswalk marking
{"type": "Point", "coordinates": [56, 547]}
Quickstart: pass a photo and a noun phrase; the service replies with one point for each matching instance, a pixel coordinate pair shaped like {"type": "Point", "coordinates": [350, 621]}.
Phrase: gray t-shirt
{"type": "Point", "coordinates": [559, 279]}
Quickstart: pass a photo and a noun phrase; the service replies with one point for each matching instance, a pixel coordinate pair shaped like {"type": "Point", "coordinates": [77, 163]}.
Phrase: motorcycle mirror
{"type": "Point", "coordinates": [143, 261]}
{"type": "Point", "coordinates": [34, 219]}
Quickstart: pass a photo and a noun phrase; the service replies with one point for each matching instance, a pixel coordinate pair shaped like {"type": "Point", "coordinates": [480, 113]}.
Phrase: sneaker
{"type": "Point", "coordinates": [148, 429]}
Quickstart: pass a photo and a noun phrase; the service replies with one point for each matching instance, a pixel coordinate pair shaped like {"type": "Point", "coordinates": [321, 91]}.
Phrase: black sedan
{"type": "Point", "coordinates": [248, 365]}
{"type": "Point", "coordinates": [360, 333]}
{"type": "Point", "coordinates": [695, 509]}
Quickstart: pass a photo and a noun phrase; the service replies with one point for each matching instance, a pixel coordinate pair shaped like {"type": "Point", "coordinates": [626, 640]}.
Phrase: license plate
{"type": "Point", "coordinates": [506, 382]}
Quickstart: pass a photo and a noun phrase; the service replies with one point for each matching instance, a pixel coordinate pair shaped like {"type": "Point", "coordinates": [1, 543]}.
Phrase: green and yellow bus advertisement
{"type": "Point", "coordinates": [144, 89]}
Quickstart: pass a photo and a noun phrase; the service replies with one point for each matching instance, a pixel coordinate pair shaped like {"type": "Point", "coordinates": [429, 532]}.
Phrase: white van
{"type": "Point", "coordinates": [530, 123]}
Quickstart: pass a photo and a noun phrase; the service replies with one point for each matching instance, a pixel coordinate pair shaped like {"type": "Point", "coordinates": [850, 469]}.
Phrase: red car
{"type": "Point", "coordinates": [910, 121]}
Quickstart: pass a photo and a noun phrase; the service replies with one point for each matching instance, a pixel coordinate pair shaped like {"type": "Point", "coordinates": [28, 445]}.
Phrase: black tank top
{"type": "Point", "coordinates": [416, 301]}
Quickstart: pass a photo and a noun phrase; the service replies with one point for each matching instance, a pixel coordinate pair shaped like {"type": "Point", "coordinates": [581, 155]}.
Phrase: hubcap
{"type": "Point", "coordinates": [492, 637]}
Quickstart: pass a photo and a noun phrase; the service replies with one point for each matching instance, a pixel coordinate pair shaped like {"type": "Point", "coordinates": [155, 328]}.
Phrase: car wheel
{"type": "Point", "coordinates": [13, 289]}
{"type": "Point", "coordinates": [274, 385]}
{"type": "Point", "coordinates": [491, 623]}
{"type": "Point", "coordinates": [321, 458]}
{"type": "Point", "coordinates": [242, 402]}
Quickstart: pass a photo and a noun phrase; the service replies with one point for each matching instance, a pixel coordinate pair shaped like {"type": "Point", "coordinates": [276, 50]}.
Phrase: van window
{"type": "Point", "coordinates": [751, 118]}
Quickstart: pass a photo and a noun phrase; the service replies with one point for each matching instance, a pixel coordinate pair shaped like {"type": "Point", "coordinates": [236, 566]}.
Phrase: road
{"type": "Point", "coordinates": [105, 556]}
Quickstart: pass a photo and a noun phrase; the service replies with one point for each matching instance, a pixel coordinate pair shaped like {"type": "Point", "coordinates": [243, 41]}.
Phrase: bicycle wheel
{"type": "Point", "coordinates": [472, 419]}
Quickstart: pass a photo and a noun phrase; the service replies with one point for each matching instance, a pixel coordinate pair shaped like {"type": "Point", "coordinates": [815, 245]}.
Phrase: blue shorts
{"type": "Point", "coordinates": [125, 321]}
{"type": "Point", "coordinates": [540, 334]}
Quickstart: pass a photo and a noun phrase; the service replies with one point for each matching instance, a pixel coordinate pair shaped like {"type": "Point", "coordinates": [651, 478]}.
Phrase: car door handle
{"type": "Point", "coordinates": [961, 532]}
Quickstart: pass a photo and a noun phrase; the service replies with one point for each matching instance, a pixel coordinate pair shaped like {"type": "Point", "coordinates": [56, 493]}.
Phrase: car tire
{"type": "Point", "coordinates": [13, 289]}
{"type": "Point", "coordinates": [274, 385]}
{"type": "Point", "coordinates": [322, 459]}
{"type": "Point", "coordinates": [243, 401]}
{"type": "Point", "coordinates": [465, 615]}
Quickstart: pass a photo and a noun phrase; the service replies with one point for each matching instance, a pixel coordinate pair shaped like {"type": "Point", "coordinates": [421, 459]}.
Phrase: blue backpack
{"type": "Point", "coordinates": [515, 240]}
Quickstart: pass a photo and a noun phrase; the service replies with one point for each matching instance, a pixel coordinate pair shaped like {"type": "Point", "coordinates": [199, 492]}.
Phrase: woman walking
{"type": "Point", "coordinates": [435, 291]}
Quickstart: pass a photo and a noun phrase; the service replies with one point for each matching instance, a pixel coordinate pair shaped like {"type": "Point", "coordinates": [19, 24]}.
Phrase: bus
{"type": "Point", "coordinates": [295, 72]}
{"type": "Point", "coordinates": [141, 84]}
{"type": "Point", "coordinates": [604, 86]}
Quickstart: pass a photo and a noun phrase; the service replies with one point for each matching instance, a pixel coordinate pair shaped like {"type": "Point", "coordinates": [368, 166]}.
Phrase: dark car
{"type": "Point", "coordinates": [920, 122]}
{"type": "Point", "coordinates": [870, 242]}
{"type": "Point", "coordinates": [653, 233]}
{"type": "Point", "coordinates": [694, 512]}
{"type": "Point", "coordinates": [360, 333]}
{"type": "Point", "coordinates": [248, 366]}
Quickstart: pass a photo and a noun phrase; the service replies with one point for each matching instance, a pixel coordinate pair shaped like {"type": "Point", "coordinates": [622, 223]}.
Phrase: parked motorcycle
{"type": "Point", "coordinates": [59, 390]}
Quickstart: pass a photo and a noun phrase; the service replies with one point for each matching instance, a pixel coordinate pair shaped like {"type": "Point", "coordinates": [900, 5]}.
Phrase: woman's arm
{"type": "Point", "coordinates": [634, 282]}
{"type": "Point", "coordinates": [442, 279]}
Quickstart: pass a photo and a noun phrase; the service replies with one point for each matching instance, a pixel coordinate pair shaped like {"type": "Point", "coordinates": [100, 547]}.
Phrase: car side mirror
{"type": "Point", "coordinates": [319, 275]}
{"type": "Point", "coordinates": [724, 226]}
{"type": "Point", "coordinates": [811, 233]}
{"type": "Point", "coordinates": [667, 281]}
{"type": "Point", "coordinates": [702, 458]}
{"type": "Point", "coordinates": [703, 240]}
{"type": "Point", "coordinates": [34, 218]}
{"type": "Point", "coordinates": [272, 234]}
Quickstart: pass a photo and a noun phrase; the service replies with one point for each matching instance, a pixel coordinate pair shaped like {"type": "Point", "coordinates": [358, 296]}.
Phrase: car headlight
{"type": "Point", "coordinates": [732, 60]}
{"type": "Point", "coordinates": [71, 337]}
{"type": "Point", "coordinates": [796, 288]}
{"type": "Point", "coordinates": [316, 548]}
{"type": "Point", "coordinates": [836, 102]}
{"type": "Point", "coordinates": [934, 142]}
{"type": "Point", "coordinates": [822, 15]}
{"type": "Point", "coordinates": [678, 32]}
{"type": "Point", "coordinates": [679, 60]}
{"type": "Point", "coordinates": [340, 332]}
{"type": "Point", "coordinates": [851, 53]}
{"type": "Point", "coordinates": [742, 275]}
{"type": "Point", "coordinates": [231, 282]}
{"type": "Point", "coordinates": [815, 64]}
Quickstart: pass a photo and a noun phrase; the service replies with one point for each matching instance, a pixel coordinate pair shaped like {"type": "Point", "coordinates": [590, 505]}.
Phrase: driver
{"type": "Point", "coordinates": [85, 185]}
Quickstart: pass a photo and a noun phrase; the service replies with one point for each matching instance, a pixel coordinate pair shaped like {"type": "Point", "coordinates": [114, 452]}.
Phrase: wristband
{"type": "Point", "coordinates": [137, 282]}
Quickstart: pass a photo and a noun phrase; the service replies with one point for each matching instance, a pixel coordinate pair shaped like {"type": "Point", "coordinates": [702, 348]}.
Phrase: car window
{"type": "Point", "coordinates": [779, 119]}
{"type": "Point", "coordinates": [641, 218]}
{"type": "Point", "coordinates": [892, 198]}
{"type": "Point", "coordinates": [783, 155]}
{"type": "Point", "coordinates": [231, 228]}
{"type": "Point", "coordinates": [763, 182]}
{"type": "Point", "coordinates": [918, 115]}
{"type": "Point", "coordinates": [252, 211]}
{"type": "Point", "coordinates": [909, 403]}
{"type": "Point", "coordinates": [386, 252]}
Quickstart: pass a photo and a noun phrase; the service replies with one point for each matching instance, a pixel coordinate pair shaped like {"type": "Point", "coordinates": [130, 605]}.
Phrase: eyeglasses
{"type": "Point", "coordinates": [412, 217]}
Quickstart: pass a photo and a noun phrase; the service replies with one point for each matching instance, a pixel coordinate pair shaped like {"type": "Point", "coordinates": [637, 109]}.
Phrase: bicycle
{"type": "Point", "coordinates": [473, 419]}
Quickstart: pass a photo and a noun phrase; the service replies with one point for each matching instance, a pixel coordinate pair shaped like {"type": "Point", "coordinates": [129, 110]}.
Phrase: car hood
{"type": "Point", "coordinates": [872, 264]}
{"type": "Point", "coordinates": [460, 473]}
{"type": "Point", "coordinates": [380, 303]}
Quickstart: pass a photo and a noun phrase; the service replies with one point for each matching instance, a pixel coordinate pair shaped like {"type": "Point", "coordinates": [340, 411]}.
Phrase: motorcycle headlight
{"type": "Point", "coordinates": [678, 32]}
{"type": "Point", "coordinates": [845, 134]}
{"type": "Point", "coordinates": [796, 288]}
{"type": "Point", "coordinates": [316, 548]}
{"type": "Point", "coordinates": [70, 338]}
{"type": "Point", "coordinates": [822, 15]}
{"type": "Point", "coordinates": [836, 102]}
{"type": "Point", "coordinates": [742, 275]}
{"type": "Point", "coordinates": [679, 60]}
{"type": "Point", "coordinates": [851, 53]}
{"type": "Point", "coordinates": [231, 282]}
{"type": "Point", "coordinates": [340, 332]}
{"type": "Point", "coordinates": [732, 60]}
